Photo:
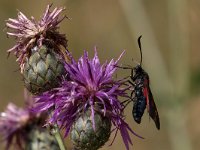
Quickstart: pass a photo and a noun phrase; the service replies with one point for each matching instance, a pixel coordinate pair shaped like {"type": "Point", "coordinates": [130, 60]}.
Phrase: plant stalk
{"type": "Point", "coordinates": [55, 131]}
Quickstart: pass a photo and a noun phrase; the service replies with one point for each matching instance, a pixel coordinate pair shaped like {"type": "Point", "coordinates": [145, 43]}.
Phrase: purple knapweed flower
{"type": "Point", "coordinates": [90, 85]}
{"type": "Point", "coordinates": [30, 33]}
{"type": "Point", "coordinates": [12, 123]}
{"type": "Point", "coordinates": [15, 121]}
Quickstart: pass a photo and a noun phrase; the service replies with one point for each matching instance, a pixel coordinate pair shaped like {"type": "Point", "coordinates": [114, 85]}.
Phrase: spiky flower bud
{"type": "Point", "coordinates": [40, 49]}
{"type": "Point", "coordinates": [85, 137]}
{"type": "Point", "coordinates": [42, 70]}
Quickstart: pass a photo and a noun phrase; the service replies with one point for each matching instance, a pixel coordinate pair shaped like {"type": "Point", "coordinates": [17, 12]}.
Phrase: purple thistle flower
{"type": "Point", "coordinates": [30, 33]}
{"type": "Point", "coordinates": [12, 123]}
{"type": "Point", "coordinates": [15, 121]}
{"type": "Point", "coordinates": [90, 85]}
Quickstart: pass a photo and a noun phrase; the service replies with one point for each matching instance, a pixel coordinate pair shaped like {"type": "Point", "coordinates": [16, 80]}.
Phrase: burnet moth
{"type": "Point", "coordinates": [142, 95]}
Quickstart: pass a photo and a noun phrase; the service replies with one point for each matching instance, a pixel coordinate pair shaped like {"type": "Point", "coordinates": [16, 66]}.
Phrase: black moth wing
{"type": "Point", "coordinates": [153, 112]}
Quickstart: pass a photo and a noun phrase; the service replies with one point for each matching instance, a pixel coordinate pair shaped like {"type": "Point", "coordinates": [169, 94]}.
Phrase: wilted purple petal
{"type": "Point", "coordinates": [28, 31]}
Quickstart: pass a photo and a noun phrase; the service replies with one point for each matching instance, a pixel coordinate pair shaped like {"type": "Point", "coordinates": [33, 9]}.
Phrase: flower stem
{"type": "Point", "coordinates": [55, 131]}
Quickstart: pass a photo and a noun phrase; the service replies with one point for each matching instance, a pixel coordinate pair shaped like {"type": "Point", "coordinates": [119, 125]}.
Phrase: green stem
{"type": "Point", "coordinates": [57, 135]}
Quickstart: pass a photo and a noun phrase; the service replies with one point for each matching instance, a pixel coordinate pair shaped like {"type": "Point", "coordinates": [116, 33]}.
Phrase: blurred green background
{"type": "Point", "coordinates": [171, 35]}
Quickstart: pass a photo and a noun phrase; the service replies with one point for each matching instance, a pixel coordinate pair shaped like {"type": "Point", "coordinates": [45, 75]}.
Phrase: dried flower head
{"type": "Point", "coordinates": [91, 86]}
{"type": "Point", "coordinates": [29, 33]}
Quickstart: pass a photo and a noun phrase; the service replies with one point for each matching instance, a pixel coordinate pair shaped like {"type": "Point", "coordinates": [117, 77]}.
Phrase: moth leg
{"type": "Point", "coordinates": [126, 77]}
{"type": "Point", "coordinates": [130, 82]}
{"type": "Point", "coordinates": [123, 67]}
{"type": "Point", "coordinates": [127, 102]}
{"type": "Point", "coordinates": [132, 93]}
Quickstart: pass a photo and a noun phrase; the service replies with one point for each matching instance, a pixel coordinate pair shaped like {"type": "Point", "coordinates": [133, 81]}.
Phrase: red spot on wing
{"type": "Point", "coordinates": [145, 92]}
{"type": "Point", "coordinates": [151, 106]}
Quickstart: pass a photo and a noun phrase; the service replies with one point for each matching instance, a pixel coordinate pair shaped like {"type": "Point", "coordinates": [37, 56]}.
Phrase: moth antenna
{"type": "Point", "coordinates": [140, 47]}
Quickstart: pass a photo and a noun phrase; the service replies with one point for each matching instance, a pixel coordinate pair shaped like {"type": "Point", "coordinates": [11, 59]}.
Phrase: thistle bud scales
{"type": "Point", "coordinates": [40, 139]}
{"type": "Point", "coordinates": [85, 137]}
{"type": "Point", "coordinates": [42, 70]}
